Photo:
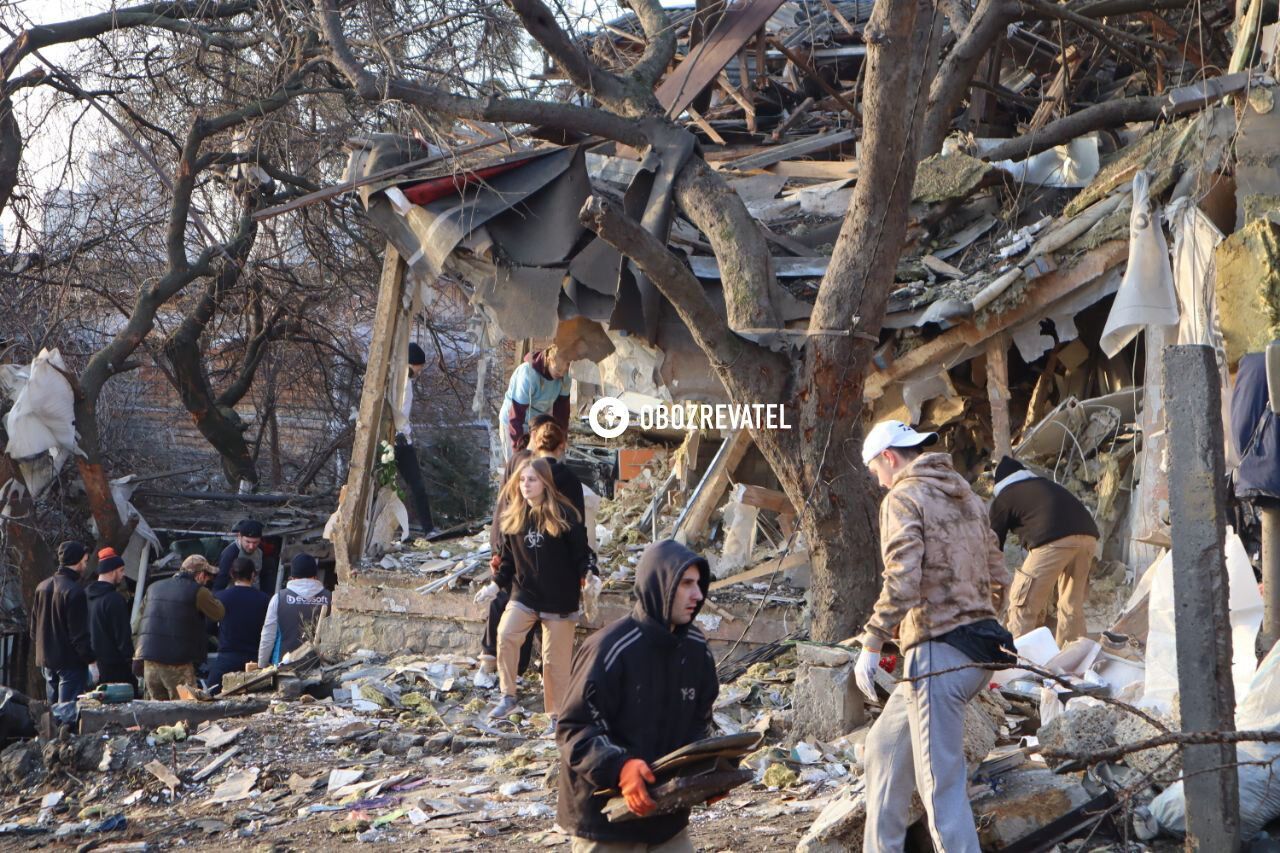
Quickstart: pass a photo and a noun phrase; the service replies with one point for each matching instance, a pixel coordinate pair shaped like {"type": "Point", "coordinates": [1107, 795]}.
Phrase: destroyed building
{"type": "Point", "coordinates": [1033, 295]}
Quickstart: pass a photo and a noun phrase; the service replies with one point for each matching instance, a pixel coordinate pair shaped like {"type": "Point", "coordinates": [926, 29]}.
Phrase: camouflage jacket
{"type": "Point", "coordinates": [942, 565]}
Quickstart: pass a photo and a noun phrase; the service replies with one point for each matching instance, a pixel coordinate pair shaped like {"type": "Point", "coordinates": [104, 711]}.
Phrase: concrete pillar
{"type": "Point", "coordinates": [1198, 511]}
{"type": "Point", "coordinates": [827, 701]}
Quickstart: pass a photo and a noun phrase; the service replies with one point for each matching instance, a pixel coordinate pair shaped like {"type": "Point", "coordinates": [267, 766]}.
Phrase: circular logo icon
{"type": "Point", "coordinates": [609, 417]}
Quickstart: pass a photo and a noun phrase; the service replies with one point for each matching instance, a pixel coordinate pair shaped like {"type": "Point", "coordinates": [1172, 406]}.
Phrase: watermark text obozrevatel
{"type": "Point", "coordinates": [610, 417]}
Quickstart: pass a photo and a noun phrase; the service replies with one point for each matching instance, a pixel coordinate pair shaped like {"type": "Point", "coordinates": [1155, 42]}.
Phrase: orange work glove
{"type": "Point", "coordinates": [635, 773]}
{"type": "Point", "coordinates": [494, 562]}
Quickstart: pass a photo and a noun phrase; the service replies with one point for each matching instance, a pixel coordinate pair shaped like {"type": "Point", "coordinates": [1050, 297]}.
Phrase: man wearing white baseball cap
{"type": "Point", "coordinates": [944, 581]}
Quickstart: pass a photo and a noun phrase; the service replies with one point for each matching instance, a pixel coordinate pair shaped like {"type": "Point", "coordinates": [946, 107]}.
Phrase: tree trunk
{"type": "Point", "coordinates": [29, 554]}
{"type": "Point", "coordinates": [220, 425]}
{"type": "Point", "coordinates": [10, 150]}
{"type": "Point", "coordinates": [97, 488]}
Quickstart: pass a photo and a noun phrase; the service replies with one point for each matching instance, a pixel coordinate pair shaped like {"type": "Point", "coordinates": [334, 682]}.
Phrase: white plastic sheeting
{"type": "Point", "coordinates": [390, 520]}
{"type": "Point", "coordinates": [1146, 296]}
{"type": "Point", "coordinates": [143, 536]}
{"type": "Point", "coordinates": [1259, 788]}
{"type": "Point", "coordinates": [1246, 616]}
{"type": "Point", "coordinates": [41, 423]}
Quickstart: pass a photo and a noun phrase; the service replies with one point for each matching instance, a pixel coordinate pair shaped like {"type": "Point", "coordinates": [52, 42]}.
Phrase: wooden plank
{"type": "Point", "coordinates": [806, 65]}
{"type": "Point", "coordinates": [799, 148]}
{"type": "Point", "coordinates": [215, 765]}
{"type": "Point", "coordinates": [998, 393]}
{"type": "Point", "coordinates": [758, 496]}
{"type": "Point", "coordinates": [699, 68]}
{"type": "Point", "coordinates": [791, 561]}
{"type": "Point", "coordinates": [357, 494]}
{"type": "Point", "coordinates": [792, 117]}
{"type": "Point", "coordinates": [164, 774]}
{"type": "Point", "coordinates": [822, 170]}
{"type": "Point", "coordinates": [692, 523]}
{"type": "Point", "coordinates": [1046, 290]}
{"type": "Point", "coordinates": [705, 125]}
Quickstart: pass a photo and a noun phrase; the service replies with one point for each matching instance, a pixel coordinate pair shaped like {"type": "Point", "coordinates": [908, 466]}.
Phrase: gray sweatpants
{"type": "Point", "coordinates": [918, 742]}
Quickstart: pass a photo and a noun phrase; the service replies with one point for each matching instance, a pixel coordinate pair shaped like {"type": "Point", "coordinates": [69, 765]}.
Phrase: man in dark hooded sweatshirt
{"type": "Point", "coordinates": [110, 633]}
{"type": "Point", "coordinates": [641, 688]}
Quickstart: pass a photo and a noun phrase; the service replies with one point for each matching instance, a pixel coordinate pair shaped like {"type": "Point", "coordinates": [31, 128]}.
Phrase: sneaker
{"type": "Point", "coordinates": [485, 680]}
{"type": "Point", "coordinates": [551, 729]}
{"type": "Point", "coordinates": [504, 708]}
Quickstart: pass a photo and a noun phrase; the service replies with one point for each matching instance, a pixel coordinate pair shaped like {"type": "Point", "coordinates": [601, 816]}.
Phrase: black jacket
{"type": "Point", "coordinates": [109, 631]}
{"type": "Point", "coordinates": [1039, 511]}
{"type": "Point", "coordinates": [60, 622]}
{"type": "Point", "coordinates": [1255, 433]}
{"type": "Point", "coordinates": [638, 690]}
{"type": "Point", "coordinates": [544, 572]}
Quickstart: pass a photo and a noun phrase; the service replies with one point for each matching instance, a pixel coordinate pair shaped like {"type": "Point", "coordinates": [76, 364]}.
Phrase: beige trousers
{"type": "Point", "coordinates": [557, 652]}
{"type": "Point", "coordinates": [679, 843]}
{"type": "Point", "coordinates": [1064, 564]}
{"type": "Point", "coordinates": [162, 679]}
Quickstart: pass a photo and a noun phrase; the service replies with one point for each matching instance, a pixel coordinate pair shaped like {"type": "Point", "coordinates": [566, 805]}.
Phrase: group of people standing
{"type": "Point", "coordinates": [84, 633]}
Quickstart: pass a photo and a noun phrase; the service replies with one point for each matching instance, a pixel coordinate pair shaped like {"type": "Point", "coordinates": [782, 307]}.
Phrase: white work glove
{"type": "Point", "coordinates": [487, 594]}
{"type": "Point", "coordinates": [93, 674]}
{"type": "Point", "coordinates": [864, 672]}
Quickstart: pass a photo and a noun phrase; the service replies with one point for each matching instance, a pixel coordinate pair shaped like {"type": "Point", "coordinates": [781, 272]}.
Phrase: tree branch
{"type": "Point", "coordinates": [746, 266]}
{"type": "Point", "coordinates": [661, 46]}
{"type": "Point", "coordinates": [673, 278]}
{"type": "Point", "coordinates": [951, 83]}
{"type": "Point", "coordinates": [540, 22]}
{"type": "Point", "coordinates": [1060, 131]}
{"type": "Point", "coordinates": [378, 88]}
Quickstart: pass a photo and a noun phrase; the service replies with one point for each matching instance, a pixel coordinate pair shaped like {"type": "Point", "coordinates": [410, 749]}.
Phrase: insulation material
{"type": "Point", "coordinates": [1195, 238]}
{"type": "Point", "coordinates": [41, 422]}
{"type": "Point", "coordinates": [523, 300]}
{"type": "Point", "coordinates": [1247, 286]}
{"type": "Point", "coordinates": [1072, 165]}
{"type": "Point", "coordinates": [634, 366]}
{"type": "Point", "coordinates": [1246, 617]}
{"type": "Point", "coordinates": [917, 392]}
{"type": "Point", "coordinates": [1146, 296]}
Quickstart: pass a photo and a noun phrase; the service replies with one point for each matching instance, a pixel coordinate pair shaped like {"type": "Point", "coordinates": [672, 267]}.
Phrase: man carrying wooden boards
{"type": "Point", "coordinates": [944, 577]}
{"type": "Point", "coordinates": [641, 688]}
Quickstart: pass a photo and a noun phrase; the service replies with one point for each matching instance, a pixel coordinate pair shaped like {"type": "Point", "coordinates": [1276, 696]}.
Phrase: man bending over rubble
{"type": "Point", "coordinates": [641, 688]}
{"type": "Point", "coordinates": [944, 578]}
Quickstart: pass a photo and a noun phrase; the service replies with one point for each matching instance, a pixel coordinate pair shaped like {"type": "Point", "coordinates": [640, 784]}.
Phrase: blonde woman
{"type": "Point", "coordinates": [545, 560]}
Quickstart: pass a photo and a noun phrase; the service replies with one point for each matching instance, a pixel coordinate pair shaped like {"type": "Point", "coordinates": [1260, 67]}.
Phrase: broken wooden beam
{"type": "Point", "coordinates": [998, 394]}
{"type": "Point", "coordinates": [150, 714]}
{"type": "Point", "coordinates": [215, 765]}
{"type": "Point", "coordinates": [357, 495]}
{"type": "Point", "coordinates": [692, 523]}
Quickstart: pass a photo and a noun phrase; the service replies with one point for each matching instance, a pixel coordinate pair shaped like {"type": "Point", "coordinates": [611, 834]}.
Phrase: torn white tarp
{"type": "Point", "coordinates": [122, 490]}
{"type": "Point", "coordinates": [41, 422]}
{"type": "Point", "coordinates": [1195, 238]}
{"type": "Point", "coordinates": [1246, 616]}
{"type": "Point", "coordinates": [1072, 165]}
{"type": "Point", "coordinates": [1146, 296]}
{"type": "Point", "coordinates": [1259, 793]}
{"type": "Point", "coordinates": [390, 521]}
